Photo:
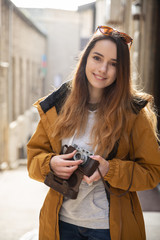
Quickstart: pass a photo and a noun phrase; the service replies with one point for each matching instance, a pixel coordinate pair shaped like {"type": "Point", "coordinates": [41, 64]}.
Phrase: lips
{"type": "Point", "coordinates": [98, 77]}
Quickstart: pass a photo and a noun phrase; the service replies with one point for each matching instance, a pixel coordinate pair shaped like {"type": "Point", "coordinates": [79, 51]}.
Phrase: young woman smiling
{"type": "Point", "coordinates": [100, 112]}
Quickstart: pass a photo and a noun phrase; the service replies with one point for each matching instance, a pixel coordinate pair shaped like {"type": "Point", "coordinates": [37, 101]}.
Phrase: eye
{"type": "Point", "coordinates": [113, 64]}
{"type": "Point", "coordinates": [97, 58]}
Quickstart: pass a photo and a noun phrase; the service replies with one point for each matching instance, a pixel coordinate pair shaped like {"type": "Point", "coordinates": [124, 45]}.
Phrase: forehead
{"type": "Point", "coordinates": [105, 47]}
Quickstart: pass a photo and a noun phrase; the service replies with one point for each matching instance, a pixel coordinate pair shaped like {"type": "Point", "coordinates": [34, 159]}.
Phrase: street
{"type": "Point", "coordinates": [21, 200]}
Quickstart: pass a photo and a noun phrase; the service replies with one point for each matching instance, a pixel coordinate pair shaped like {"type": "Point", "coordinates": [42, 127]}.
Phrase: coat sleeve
{"type": "Point", "coordinates": [146, 169]}
{"type": "Point", "coordinates": [39, 153]}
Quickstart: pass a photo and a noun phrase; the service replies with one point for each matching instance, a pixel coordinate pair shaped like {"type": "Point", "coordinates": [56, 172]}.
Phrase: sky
{"type": "Point", "coordinates": [58, 4]}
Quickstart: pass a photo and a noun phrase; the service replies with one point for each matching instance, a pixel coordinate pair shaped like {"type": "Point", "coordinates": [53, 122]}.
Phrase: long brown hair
{"type": "Point", "coordinates": [114, 107]}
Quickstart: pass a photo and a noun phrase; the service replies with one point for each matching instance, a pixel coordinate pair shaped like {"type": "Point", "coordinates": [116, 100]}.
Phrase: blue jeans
{"type": "Point", "coordinates": [72, 232]}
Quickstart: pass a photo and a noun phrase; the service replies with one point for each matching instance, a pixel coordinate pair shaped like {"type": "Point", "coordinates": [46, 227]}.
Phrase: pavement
{"type": "Point", "coordinates": [21, 199]}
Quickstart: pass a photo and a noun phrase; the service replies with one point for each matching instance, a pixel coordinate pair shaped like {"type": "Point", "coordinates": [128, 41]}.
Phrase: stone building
{"type": "Point", "coordinates": [141, 20]}
{"type": "Point", "coordinates": [63, 41]}
{"type": "Point", "coordinates": [25, 50]}
{"type": "Point", "coordinates": [32, 62]}
{"type": "Point", "coordinates": [87, 16]}
{"type": "Point", "coordinates": [22, 79]}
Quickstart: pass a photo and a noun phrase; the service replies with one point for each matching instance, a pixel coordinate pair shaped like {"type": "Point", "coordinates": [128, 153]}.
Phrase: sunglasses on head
{"type": "Point", "coordinates": [105, 30]}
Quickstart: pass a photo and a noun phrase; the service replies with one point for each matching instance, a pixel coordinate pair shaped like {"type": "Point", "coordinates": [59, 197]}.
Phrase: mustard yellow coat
{"type": "Point", "coordinates": [126, 218]}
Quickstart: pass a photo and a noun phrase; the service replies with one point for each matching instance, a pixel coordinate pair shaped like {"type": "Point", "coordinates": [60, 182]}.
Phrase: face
{"type": "Point", "coordinates": [101, 66]}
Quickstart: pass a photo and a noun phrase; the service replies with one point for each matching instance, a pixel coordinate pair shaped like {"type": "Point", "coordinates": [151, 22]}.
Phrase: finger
{"type": "Point", "coordinates": [97, 158]}
{"type": "Point", "coordinates": [95, 177]}
{"type": "Point", "coordinates": [69, 170]}
{"type": "Point", "coordinates": [68, 155]}
{"type": "Point", "coordinates": [85, 178]}
{"type": "Point", "coordinates": [91, 178]}
{"type": "Point", "coordinates": [67, 163]}
{"type": "Point", "coordinates": [65, 172]}
{"type": "Point", "coordinates": [64, 175]}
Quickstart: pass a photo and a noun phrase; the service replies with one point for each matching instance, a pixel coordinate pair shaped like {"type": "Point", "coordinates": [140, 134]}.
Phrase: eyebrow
{"type": "Point", "coordinates": [98, 54]}
{"type": "Point", "coordinates": [113, 59]}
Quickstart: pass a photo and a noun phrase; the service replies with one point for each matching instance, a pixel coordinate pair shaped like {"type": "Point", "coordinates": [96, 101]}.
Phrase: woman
{"type": "Point", "coordinates": [100, 112]}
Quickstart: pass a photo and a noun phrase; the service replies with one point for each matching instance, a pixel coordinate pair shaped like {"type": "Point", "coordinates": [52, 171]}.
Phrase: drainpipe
{"type": "Point", "coordinates": [0, 27]}
{"type": "Point", "coordinates": [136, 15]}
{"type": "Point", "coordinates": [10, 82]}
{"type": "Point", "coordinates": [0, 18]}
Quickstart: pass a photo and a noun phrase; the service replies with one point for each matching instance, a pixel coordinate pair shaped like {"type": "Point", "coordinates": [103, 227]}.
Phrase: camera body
{"type": "Point", "coordinates": [70, 187]}
{"type": "Point", "coordinates": [88, 166]}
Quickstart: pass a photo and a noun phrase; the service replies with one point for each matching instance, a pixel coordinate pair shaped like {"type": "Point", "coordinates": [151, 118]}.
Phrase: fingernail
{"type": "Point", "coordinates": [90, 183]}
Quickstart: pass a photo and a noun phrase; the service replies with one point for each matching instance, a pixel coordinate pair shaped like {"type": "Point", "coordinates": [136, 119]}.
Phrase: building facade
{"type": "Point", "coordinates": [63, 41]}
{"type": "Point", "coordinates": [22, 79]}
{"type": "Point", "coordinates": [87, 16]}
{"type": "Point", "coordinates": [141, 20]}
{"type": "Point", "coordinates": [34, 61]}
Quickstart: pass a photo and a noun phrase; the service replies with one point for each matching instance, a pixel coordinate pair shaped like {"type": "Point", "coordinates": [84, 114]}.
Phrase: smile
{"type": "Point", "coordinates": [99, 77]}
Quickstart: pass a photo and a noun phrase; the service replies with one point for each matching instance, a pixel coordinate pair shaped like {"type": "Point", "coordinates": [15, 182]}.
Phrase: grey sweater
{"type": "Point", "coordinates": [91, 208]}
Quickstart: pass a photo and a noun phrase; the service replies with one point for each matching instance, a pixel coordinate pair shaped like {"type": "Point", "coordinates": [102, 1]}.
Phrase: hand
{"type": "Point", "coordinates": [64, 168]}
{"type": "Point", "coordinates": [103, 167]}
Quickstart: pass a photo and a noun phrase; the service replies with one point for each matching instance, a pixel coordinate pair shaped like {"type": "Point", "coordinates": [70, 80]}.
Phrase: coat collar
{"type": "Point", "coordinates": [58, 97]}
{"type": "Point", "coordinates": [137, 104]}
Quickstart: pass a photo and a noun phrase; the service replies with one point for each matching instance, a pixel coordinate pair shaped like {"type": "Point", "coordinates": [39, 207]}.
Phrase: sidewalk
{"type": "Point", "coordinates": [21, 199]}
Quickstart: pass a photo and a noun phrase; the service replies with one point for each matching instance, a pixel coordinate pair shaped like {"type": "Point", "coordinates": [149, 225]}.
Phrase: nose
{"type": "Point", "coordinates": [103, 68]}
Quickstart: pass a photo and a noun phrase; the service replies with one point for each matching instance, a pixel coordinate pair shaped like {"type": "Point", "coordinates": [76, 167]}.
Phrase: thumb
{"type": "Point", "coordinates": [68, 155]}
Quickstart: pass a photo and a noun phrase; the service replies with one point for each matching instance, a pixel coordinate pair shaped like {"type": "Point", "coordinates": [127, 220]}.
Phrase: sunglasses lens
{"type": "Point", "coordinates": [127, 38]}
{"type": "Point", "coordinates": [105, 30]}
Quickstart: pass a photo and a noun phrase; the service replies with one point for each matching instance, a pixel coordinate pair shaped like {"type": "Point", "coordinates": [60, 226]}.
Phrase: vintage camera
{"type": "Point", "coordinates": [88, 166]}
{"type": "Point", "coordinates": [70, 187]}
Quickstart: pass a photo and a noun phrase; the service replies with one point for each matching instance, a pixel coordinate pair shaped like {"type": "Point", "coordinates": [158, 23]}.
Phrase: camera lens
{"type": "Point", "coordinates": [80, 156]}
{"type": "Point", "coordinates": [77, 156]}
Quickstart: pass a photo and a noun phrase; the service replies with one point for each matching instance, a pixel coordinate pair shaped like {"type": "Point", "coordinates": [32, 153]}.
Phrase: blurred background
{"type": "Point", "coordinates": [40, 42]}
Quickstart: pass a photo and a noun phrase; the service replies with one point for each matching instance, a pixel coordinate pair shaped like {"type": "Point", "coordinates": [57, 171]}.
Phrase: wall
{"type": "Point", "coordinates": [139, 25]}
{"type": "Point", "coordinates": [87, 23]}
{"type": "Point", "coordinates": [22, 46]}
{"type": "Point", "coordinates": [62, 28]}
